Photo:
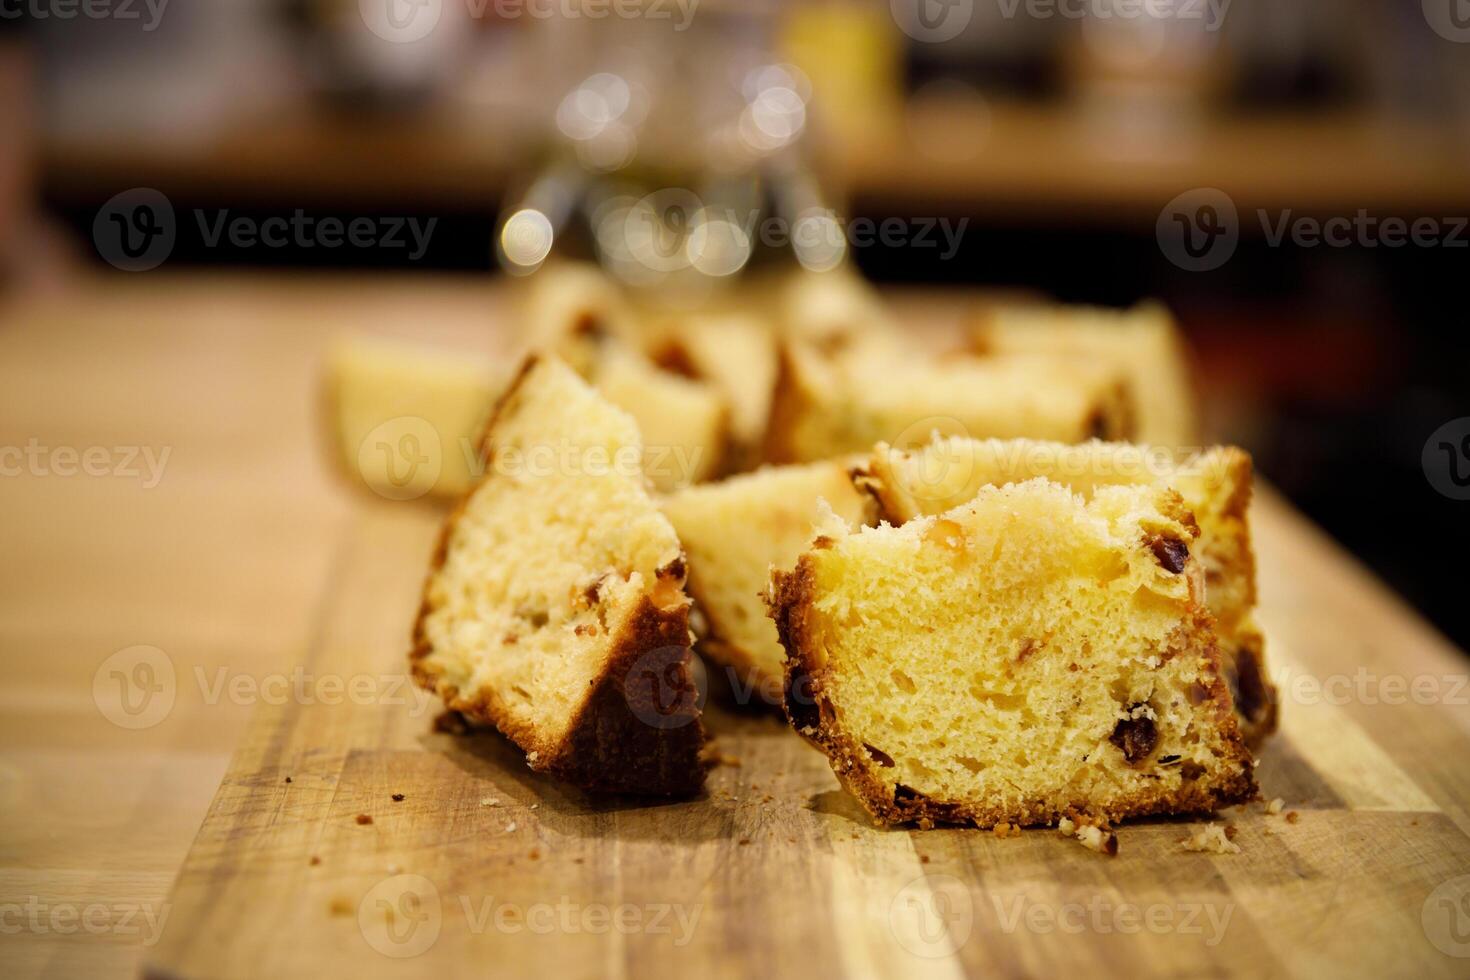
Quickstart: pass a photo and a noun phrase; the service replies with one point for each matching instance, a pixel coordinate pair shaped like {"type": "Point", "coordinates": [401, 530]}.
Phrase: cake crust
{"type": "Point", "coordinates": [638, 731]}
{"type": "Point", "coordinates": [810, 710]}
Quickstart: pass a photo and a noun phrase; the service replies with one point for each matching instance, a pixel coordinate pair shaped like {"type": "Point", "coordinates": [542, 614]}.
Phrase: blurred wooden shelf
{"type": "Point", "coordinates": [1025, 160]}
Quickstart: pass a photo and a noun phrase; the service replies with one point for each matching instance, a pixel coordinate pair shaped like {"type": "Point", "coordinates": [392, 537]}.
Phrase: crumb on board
{"type": "Point", "coordinates": [340, 907]}
{"type": "Point", "coordinates": [1096, 839]}
{"type": "Point", "coordinates": [288, 779]}
{"type": "Point", "coordinates": [1091, 835]}
{"type": "Point", "coordinates": [489, 801]}
{"type": "Point", "coordinates": [1275, 806]}
{"type": "Point", "coordinates": [1003, 830]}
{"type": "Point", "coordinates": [364, 819]}
{"type": "Point", "coordinates": [1212, 838]}
{"type": "Point", "coordinates": [713, 755]}
{"type": "Point", "coordinates": [397, 797]}
{"type": "Point", "coordinates": [535, 805]}
{"type": "Point", "coordinates": [510, 827]}
{"type": "Point", "coordinates": [535, 854]}
{"type": "Point", "coordinates": [579, 860]}
{"type": "Point", "coordinates": [314, 861]}
{"type": "Point", "coordinates": [743, 841]}
{"type": "Point", "coordinates": [923, 859]}
{"type": "Point", "coordinates": [1292, 816]}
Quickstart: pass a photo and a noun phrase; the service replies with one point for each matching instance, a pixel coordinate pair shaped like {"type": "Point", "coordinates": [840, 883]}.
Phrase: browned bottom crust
{"type": "Point", "coordinates": [638, 731]}
{"type": "Point", "coordinates": [809, 711]}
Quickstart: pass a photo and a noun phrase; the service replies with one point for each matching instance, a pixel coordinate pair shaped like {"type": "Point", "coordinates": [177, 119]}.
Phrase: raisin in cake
{"type": "Point", "coordinates": [554, 608]}
{"type": "Point", "coordinates": [1025, 655]}
{"type": "Point", "coordinates": [1143, 343]}
{"type": "Point", "coordinates": [831, 403]}
{"type": "Point", "coordinates": [733, 533]}
{"type": "Point", "coordinates": [1216, 487]}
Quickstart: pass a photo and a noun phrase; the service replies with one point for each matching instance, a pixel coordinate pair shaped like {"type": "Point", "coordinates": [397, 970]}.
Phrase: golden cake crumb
{"type": "Point", "coordinates": [1211, 838]}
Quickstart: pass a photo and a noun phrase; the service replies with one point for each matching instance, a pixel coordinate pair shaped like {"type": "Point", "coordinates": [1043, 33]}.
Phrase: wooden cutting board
{"type": "Point", "coordinates": [484, 868]}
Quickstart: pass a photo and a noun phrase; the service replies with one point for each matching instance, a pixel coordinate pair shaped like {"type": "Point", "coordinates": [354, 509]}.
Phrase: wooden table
{"type": "Point", "coordinates": [249, 557]}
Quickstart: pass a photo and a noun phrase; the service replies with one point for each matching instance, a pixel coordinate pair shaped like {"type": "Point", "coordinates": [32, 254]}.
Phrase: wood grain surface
{"type": "Point", "coordinates": [280, 598]}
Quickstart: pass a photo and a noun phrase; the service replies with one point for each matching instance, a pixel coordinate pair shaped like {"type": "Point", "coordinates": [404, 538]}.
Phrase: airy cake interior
{"type": "Point", "coordinates": [1215, 485]}
{"type": "Point", "coordinates": [734, 532]}
{"type": "Point", "coordinates": [1023, 654]}
{"type": "Point", "coordinates": [684, 424]}
{"type": "Point", "coordinates": [550, 557]}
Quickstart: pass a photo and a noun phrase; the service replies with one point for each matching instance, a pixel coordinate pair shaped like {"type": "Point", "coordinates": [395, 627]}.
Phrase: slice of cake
{"type": "Point", "coordinates": [406, 419]}
{"type": "Point", "coordinates": [734, 532]}
{"type": "Point", "coordinates": [832, 404]}
{"type": "Point", "coordinates": [1143, 343]}
{"type": "Point", "coordinates": [737, 355]}
{"type": "Point", "coordinates": [831, 307]}
{"type": "Point", "coordinates": [554, 607]}
{"type": "Point", "coordinates": [685, 424]}
{"type": "Point", "coordinates": [1215, 485]}
{"type": "Point", "coordinates": [571, 308]}
{"type": "Point", "coordinates": [1026, 656]}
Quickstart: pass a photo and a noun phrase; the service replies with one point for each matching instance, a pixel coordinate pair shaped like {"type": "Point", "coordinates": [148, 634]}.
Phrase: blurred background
{"type": "Point", "coordinates": [1094, 151]}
